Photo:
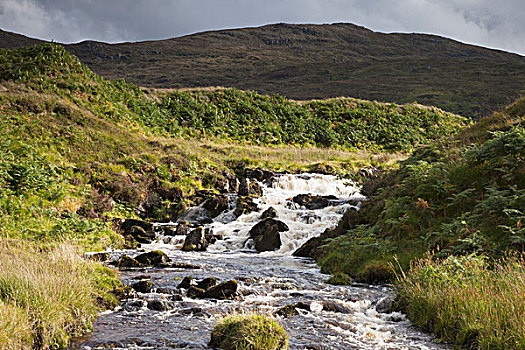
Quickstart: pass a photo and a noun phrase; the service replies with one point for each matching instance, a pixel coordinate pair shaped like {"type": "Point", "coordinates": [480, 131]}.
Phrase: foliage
{"type": "Point", "coordinates": [249, 332]}
{"type": "Point", "coordinates": [469, 300]}
{"type": "Point", "coordinates": [345, 122]}
{"type": "Point", "coordinates": [47, 295]}
{"type": "Point", "coordinates": [454, 197]}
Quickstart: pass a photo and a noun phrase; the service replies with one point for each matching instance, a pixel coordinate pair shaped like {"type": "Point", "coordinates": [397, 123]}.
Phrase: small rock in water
{"type": "Point", "coordinates": [312, 202]}
{"type": "Point", "coordinates": [269, 213]}
{"type": "Point", "coordinates": [195, 292]}
{"type": "Point", "coordinates": [125, 261]}
{"type": "Point", "coordinates": [183, 229]}
{"type": "Point", "coordinates": [207, 283]}
{"type": "Point", "coordinates": [334, 306]}
{"type": "Point", "coordinates": [153, 258]}
{"type": "Point", "coordinates": [186, 283]}
{"type": "Point", "coordinates": [195, 240]}
{"type": "Point", "coordinates": [265, 234]}
{"type": "Point", "coordinates": [157, 305]}
{"type": "Point", "coordinates": [224, 290]}
{"type": "Point", "coordinates": [384, 305]}
{"type": "Point", "coordinates": [142, 286]}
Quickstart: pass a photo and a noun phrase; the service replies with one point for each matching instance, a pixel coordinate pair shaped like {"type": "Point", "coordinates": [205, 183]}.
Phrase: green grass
{"type": "Point", "coordinates": [469, 301]}
{"type": "Point", "coordinates": [47, 296]}
{"type": "Point", "coordinates": [249, 332]}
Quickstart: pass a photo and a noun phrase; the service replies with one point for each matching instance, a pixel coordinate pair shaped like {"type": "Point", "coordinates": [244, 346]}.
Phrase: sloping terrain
{"type": "Point", "coordinates": [319, 61]}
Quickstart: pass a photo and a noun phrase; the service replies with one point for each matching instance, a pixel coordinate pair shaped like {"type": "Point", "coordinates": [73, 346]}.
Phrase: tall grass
{"type": "Point", "coordinates": [45, 296]}
{"type": "Point", "coordinates": [470, 301]}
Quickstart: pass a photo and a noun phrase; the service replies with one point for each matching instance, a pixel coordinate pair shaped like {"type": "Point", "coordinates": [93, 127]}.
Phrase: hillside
{"type": "Point", "coordinates": [319, 61]}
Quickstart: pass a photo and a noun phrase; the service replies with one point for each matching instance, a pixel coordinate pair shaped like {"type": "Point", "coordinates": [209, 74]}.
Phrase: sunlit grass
{"type": "Point", "coordinates": [468, 300]}
{"type": "Point", "coordinates": [46, 296]}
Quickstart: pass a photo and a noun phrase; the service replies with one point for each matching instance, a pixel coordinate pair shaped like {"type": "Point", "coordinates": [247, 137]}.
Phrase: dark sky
{"type": "Point", "coordinates": [492, 23]}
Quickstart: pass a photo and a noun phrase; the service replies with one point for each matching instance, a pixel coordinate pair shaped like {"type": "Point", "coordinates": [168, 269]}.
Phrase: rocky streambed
{"type": "Point", "coordinates": [219, 259]}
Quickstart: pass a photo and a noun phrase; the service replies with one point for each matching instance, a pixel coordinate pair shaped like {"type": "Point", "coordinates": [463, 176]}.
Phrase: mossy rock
{"type": "Point", "coordinates": [375, 272]}
{"type": "Point", "coordinates": [249, 332]}
{"type": "Point", "coordinates": [153, 258]}
{"type": "Point", "coordinates": [125, 261]}
{"type": "Point", "coordinates": [340, 279]}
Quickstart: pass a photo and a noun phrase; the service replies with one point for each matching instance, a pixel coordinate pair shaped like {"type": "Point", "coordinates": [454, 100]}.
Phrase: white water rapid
{"type": "Point", "coordinates": [329, 317]}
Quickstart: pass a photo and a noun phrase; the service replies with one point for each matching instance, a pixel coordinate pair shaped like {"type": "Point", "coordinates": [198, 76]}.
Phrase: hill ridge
{"type": "Point", "coordinates": [317, 61]}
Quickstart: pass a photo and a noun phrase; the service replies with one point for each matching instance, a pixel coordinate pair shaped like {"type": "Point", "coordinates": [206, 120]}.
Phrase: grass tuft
{"type": "Point", "coordinates": [249, 332]}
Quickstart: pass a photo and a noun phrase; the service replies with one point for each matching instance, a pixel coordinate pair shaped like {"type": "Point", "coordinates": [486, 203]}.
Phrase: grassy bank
{"type": "Point", "coordinates": [462, 196]}
{"type": "Point", "coordinates": [467, 300]}
{"type": "Point", "coordinates": [47, 296]}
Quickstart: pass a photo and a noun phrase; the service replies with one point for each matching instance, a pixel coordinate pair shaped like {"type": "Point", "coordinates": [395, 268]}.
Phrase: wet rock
{"type": "Point", "coordinates": [125, 262]}
{"type": "Point", "coordinates": [186, 283]}
{"type": "Point", "coordinates": [128, 223]}
{"type": "Point", "coordinates": [166, 230]}
{"type": "Point", "coordinates": [207, 283]}
{"type": "Point", "coordinates": [133, 305]}
{"type": "Point", "coordinates": [157, 305]}
{"type": "Point", "coordinates": [287, 311]}
{"type": "Point", "coordinates": [312, 202]}
{"type": "Point", "coordinates": [250, 188]}
{"type": "Point", "coordinates": [141, 235]}
{"type": "Point", "coordinates": [176, 297]}
{"type": "Point", "coordinates": [124, 292]}
{"type": "Point", "coordinates": [265, 234]}
{"type": "Point", "coordinates": [259, 174]}
{"type": "Point", "coordinates": [269, 213]}
{"type": "Point", "coordinates": [216, 204]}
{"type": "Point", "coordinates": [245, 205]}
{"type": "Point", "coordinates": [224, 290]}
{"type": "Point", "coordinates": [130, 242]}
{"type": "Point", "coordinates": [183, 229]}
{"type": "Point", "coordinates": [179, 265]}
{"type": "Point", "coordinates": [195, 240]}
{"type": "Point", "coordinates": [195, 292]}
{"type": "Point", "coordinates": [384, 305]}
{"type": "Point", "coordinates": [153, 258]}
{"type": "Point", "coordinates": [142, 286]}
{"type": "Point", "coordinates": [334, 306]}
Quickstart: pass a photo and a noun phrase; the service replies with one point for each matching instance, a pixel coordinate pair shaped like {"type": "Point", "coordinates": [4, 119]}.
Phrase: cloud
{"type": "Point", "coordinates": [497, 24]}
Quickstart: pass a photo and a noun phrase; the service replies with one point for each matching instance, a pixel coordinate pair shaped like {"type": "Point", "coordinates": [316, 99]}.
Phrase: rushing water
{"type": "Point", "coordinates": [330, 317]}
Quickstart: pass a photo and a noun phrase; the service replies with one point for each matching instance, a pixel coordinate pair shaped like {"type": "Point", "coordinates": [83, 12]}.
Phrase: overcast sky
{"type": "Point", "coordinates": [492, 23]}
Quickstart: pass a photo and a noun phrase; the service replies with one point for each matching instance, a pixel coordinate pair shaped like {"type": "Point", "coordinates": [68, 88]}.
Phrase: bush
{"type": "Point", "coordinates": [249, 332]}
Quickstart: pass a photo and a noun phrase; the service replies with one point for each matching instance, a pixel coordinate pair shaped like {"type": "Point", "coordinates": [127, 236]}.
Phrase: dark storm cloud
{"type": "Point", "coordinates": [497, 24]}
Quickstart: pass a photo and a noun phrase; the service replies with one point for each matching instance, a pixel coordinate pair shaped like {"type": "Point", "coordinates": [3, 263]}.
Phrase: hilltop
{"type": "Point", "coordinates": [318, 61]}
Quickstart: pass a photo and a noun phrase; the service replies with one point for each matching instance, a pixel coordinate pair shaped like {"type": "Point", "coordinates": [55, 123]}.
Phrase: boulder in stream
{"type": "Point", "coordinates": [269, 213]}
{"type": "Point", "coordinates": [265, 234]}
{"type": "Point", "coordinates": [186, 283]}
{"type": "Point", "coordinates": [245, 205]}
{"type": "Point", "coordinates": [125, 262]}
{"type": "Point", "coordinates": [313, 202]}
{"type": "Point", "coordinates": [224, 290]}
{"type": "Point", "coordinates": [207, 283]}
{"type": "Point", "coordinates": [153, 258]}
{"type": "Point", "coordinates": [195, 240]}
{"type": "Point", "coordinates": [142, 286]}
{"type": "Point", "coordinates": [195, 292]}
{"type": "Point", "coordinates": [157, 305]}
{"type": "Point", "coordinates": [216, 204]}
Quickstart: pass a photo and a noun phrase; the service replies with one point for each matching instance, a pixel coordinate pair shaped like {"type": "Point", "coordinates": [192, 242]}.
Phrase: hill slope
{"type": "Point", "coordinates": [320, 61]}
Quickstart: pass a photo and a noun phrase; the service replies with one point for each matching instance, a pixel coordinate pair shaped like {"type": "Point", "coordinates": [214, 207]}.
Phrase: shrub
{"type": "Point", "coordinates": [249, 332]}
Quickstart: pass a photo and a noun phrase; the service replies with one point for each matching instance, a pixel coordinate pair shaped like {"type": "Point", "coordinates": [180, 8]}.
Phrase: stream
{"type": "Point", "coordinates": [325, 316]}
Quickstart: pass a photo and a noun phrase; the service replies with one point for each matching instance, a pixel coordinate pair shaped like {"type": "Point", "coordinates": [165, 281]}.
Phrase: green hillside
{"type": "Point", "coordinates": [306, 62]}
